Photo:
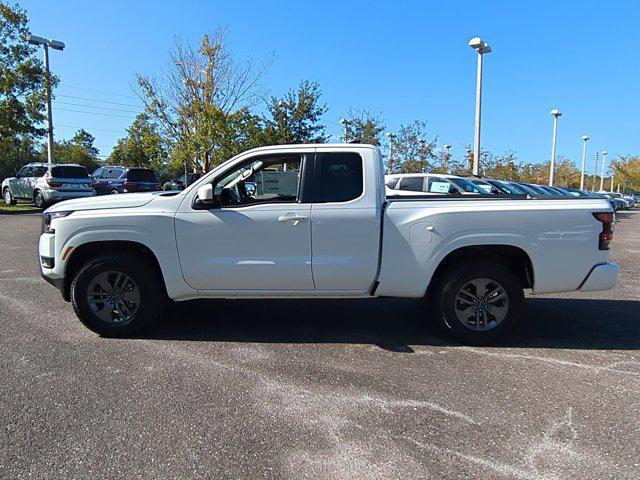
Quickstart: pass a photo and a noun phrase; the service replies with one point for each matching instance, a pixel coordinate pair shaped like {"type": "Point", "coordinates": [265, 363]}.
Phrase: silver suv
{"type": "Point", "coordinates": [44, 185]}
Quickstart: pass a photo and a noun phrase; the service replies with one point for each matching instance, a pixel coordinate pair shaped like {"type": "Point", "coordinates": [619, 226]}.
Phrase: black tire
{"type": "Point", "coordinates": [38, 199]}
{"type": "Point", "coordinates": [152, 298]}
{"type": "Point", "coordinates": [450, 284]}
{"type": "Point", "coordinates": [8, 197]}
{"type": "Point", "coordinates": [114, 192]}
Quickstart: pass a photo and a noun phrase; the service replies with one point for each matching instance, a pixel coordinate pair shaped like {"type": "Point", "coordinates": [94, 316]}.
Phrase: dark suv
{"type": "Point", "coordinates": [124, 180]}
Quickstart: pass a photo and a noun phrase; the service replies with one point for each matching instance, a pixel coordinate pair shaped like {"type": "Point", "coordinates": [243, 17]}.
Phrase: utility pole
{"type": "Point", "coordinates": [595, 175]}
{"type": "Point", "coordinates": [392, 137]}
{"type": "Point", "coordinates": [56, 45]}
{"type": "Point", "coordinates": [555, 113]}
{"type": "Point", "coordinates": [481, 47]}
{"type": "Point", "coordinates": [345, 123]}
{"type": "Point", "coordinates": [584, 160]}
{"type": "Point", "coordinates": [604, 164]}
{"type": "Point", "coordinates": [447, 156]}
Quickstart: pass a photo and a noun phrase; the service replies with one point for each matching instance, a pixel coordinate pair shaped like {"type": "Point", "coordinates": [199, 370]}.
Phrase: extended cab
{"type": "Point", "coordinates": [314, 221]}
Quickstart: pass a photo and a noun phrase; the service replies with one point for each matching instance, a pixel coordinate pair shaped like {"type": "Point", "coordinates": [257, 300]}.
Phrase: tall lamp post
{"type": "Point", "coordinates": [555, 113]}
{"type": "Point", "coordinates": [584, 160]}
{"type": "Point", "coordinates": [604, 164]}
{"type": "Point", "coordinates": [447, 156]}
{"type": "Point", "coordinates": [56, 45]}
{"type": "Point", "coordinates": [392, 137]}
{"type": "Point", "coordinates": [481, 47]}
{"type": "Point", "coordinates": [345, 124]}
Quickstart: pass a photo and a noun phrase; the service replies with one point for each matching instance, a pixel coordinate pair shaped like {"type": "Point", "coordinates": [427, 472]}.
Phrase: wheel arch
{"type": "Point", "coordinates": [516, 258]}
{"type": "Point", "coordinates": [82, 253]}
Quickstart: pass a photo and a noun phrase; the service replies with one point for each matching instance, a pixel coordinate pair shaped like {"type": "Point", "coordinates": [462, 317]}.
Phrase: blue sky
{"type": "Point", "coordinates": [403, 60]}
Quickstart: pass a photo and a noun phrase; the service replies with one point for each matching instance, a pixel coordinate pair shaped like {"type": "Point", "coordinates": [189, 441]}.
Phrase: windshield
{"type": "Point", "coordinates": [467, 186]}
{"type": "Point", "coordinates": [141, 175]}
{"type": "Point", "coordinates": [69, 172]}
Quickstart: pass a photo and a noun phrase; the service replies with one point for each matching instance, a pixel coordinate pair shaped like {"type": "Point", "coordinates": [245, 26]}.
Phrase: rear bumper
{"type": "Point", "coordinates": [57, 195]}
{"type": "Point", "coordinates": [601, 277]}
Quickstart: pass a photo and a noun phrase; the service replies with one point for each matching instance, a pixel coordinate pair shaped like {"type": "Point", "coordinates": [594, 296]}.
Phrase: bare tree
{"type": "Point", "coordinates": [200, 88]}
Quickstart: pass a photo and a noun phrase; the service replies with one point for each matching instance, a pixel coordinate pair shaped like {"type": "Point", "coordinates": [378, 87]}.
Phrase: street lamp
{"type": "Point", "coordinates": [56, 45]}
{"type": "Point", "coordinates": [447, 156]}
{"type": "Point", "coordinates": [555, 113]}
{"type": "Point", "coordinates": [481, 47]}
{"type": "Point", "coordinates": [604, 164]}
{"type": "Point", "coordinates": [584, 160]}
{"type": "Point", "coordinates": [345, 123]}
{"type": "Point", "coordinates": [392, 137]}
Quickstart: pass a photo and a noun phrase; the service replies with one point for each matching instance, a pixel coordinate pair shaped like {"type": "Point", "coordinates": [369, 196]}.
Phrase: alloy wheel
{"type": "Point", "coordinates": [481, 304]}
{"type": "Point", "coordinates": [113, 297]}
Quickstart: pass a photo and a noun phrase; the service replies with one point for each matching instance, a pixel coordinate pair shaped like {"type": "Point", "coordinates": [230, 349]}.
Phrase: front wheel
{"type": "Point", "coordinates": [479, 301]}
{"type": "Point", "coordinates": [117, 295]}
{"type": "Point", "coordinates": [8, 198]}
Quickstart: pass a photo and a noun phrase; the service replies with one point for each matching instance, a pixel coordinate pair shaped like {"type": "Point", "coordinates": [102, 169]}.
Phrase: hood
{"type": "Point", "coordinates": [126, 200]}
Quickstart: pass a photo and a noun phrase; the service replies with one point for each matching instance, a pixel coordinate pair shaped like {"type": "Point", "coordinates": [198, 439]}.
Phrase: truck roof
{"type": "Point", "coordinates": [45, 164]}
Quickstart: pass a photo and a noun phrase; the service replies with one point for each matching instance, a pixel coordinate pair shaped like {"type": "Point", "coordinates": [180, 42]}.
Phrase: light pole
{"type": "Point", "coordinates": [584, 160]}
{"type": "Point", "coordinates": [392, 137]}
{"type": "Point", "coordinates": [612, 175]}
{"type": "Point", "coordinates": [345, 123]}
{"type": "Point", "coordinates": [481, 47]}
{"type": "Point", "coordinates": [56, 45]}
{"type": "Point", "coordinates": [604, 164]}
{"type": "Point", "coordinates": [447, 156]}
{"type": "Point", "coordinates": [556, 113]}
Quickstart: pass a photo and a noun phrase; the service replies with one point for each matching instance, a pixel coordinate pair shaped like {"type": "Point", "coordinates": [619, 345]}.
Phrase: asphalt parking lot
{"type": "Point", "coordinates": [309, 389]}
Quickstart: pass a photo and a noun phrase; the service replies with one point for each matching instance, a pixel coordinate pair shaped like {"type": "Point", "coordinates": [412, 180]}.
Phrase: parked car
{"type": "Point", "coordinates": [431, 183]}
{"type": "Point", "coordinates": [321, 227]}
{"type": "Point", "coordinates": [496, 187]}
{"type": "Point", "coordinates": [115, 179]}
{"type": "Point", "coordinates": [44, 185]}
{"type": "Point", "coordinates": [179, 184]}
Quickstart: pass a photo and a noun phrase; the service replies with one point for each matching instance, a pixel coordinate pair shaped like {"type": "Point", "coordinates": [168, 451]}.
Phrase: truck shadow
{"type": "Point", "coordinates": [396, 324]}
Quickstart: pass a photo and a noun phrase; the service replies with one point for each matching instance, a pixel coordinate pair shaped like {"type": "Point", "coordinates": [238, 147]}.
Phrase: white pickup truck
{"type": "Point", "coordinates": [314, 221]}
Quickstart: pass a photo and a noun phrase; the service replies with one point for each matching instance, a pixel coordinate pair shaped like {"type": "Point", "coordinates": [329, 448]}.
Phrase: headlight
{"type": "Point", "coordinates": [47, 217]}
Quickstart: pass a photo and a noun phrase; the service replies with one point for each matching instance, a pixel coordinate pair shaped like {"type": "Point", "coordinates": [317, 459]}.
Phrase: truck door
{"type": "Point", "coordinates": [345, 223]}
{"type": "Point", "coordinates": [255, 239]}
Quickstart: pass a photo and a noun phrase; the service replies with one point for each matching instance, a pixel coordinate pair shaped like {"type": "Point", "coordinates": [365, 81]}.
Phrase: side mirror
{"type": "Point", "coordinates": [205, 199]}
{"type": "Point", "coordinates": [205, 193]}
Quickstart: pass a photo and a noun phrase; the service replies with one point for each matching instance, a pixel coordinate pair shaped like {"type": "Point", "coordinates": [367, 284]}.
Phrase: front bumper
{"type": "Point", "coordinates": [601, 277]}
{"type": "Point", "coordinates": [46, 258]}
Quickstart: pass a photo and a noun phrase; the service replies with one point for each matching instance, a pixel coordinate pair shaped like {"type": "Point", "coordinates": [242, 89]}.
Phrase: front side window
{"type": "Point", "coordinates": [467, 186]}
{"type": "Point", "coordinates": [22, 172]}
{"type": "Point", "coordinates": [440, 185]}
{"type": "Point", "coordinates": [97, 174]}
{"type": "Point", "coordinates": [268, 179]}
{"type": "Point", "coordinates": [341, 177]}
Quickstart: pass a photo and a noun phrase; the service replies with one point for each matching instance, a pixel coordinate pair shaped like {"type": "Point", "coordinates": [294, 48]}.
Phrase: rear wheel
{"type": "Point", "coordinates": [8, 198]}
{"type": "Point", "coordinates": [117, 295]}
{"type": "Point", "coordinates": [38, 199]}
{"type": "Point", "coordinates": [114, 192]}
{"type": "Point", "coordinates": [479, 301]}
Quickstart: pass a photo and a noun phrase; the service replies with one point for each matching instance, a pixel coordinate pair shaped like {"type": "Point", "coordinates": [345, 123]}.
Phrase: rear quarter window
{"type": "Point", "coordinates": [69, 172]}
{"type": "Point", "coordinates": [341, 177]}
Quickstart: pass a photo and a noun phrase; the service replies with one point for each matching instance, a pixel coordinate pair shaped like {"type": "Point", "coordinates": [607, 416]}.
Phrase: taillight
{"type": "Point", "coordinates": [53, 184]}
{"type": "Point", "coordinates": [606, 236]}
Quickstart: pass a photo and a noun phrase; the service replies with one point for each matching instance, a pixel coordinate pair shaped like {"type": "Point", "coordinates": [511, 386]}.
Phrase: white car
{"type": "Point", "coordinates": [409, 183]}
{"type": "Point", "coordinates": [44, 184]}
{"type": "Point", "coordinates": [316, 223]}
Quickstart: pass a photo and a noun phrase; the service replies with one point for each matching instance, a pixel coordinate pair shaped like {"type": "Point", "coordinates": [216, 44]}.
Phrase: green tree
{"type": "Point", "coordinates": [412, 153]}
{"type": "Point", "coordinates": [78, 149]}
{"type": "Point", "coordinates": [363, 127]}
{"type": "Point", "coordinates": [627, 172]}
{"type": "Point", "coordinates": [296, 117]}
{"type": "Point", "coordinates": [22, 92]}
{"type": "Point", "coordinates": [142, 147]}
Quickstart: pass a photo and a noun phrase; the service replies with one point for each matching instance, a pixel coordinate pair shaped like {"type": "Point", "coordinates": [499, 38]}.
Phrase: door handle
{"type": "Point", "coordinates": [291, 217]}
